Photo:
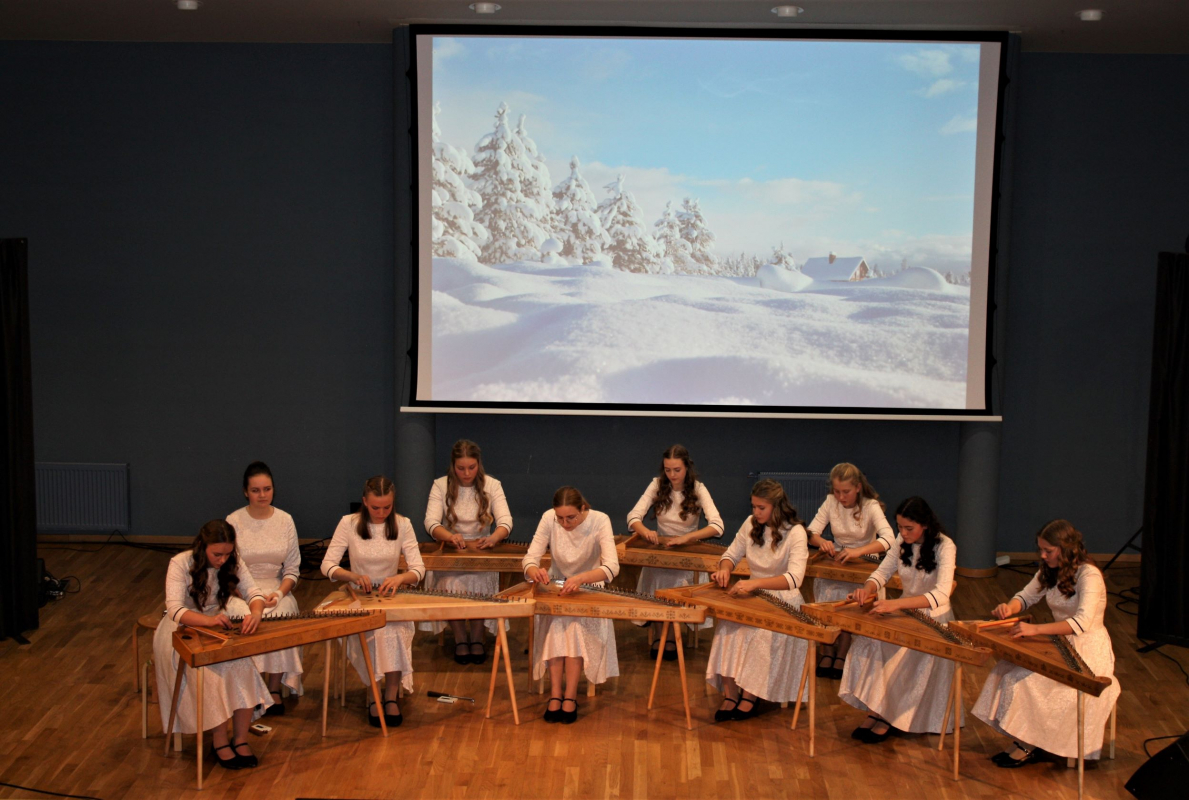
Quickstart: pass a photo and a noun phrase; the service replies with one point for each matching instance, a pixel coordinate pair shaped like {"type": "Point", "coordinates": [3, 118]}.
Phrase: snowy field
{"type": "Point", "coordinates": [532, 332]}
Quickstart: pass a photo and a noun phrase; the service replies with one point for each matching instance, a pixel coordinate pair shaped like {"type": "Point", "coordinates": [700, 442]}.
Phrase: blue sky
{"type": "Point", "coordinates": [813, 144]}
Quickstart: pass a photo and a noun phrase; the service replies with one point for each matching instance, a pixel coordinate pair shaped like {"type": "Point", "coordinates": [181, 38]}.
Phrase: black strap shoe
{"type": "Point", "coordinates": [277, 709]}
{"type": "Point", "coordinates": [248, 760]}
{"type": "Point", "coordinates": [392, 720]}
{"type": "Point", "coordinates": [568, 717]}
{"type": "Point", "coordinates": [555, 715]}
{"type": "Point", "coordinates": [227, 763]}
{"type": "Point", "coordinates": [726, 714]}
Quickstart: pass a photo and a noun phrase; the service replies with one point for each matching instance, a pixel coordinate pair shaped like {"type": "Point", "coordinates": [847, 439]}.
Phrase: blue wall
{"type": "Point", "coordinates": [212, 281]}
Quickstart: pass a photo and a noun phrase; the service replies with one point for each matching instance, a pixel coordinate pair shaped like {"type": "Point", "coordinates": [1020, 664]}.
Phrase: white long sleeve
{"type": "Point", "coordinates": [589, 546]}
{"type": "Point", "coordinates": [177, 587]}
{"type": "Point", "coordinates": [798, 556]}
{"type": "Point", "coordinates": [466, 509]}
{"type": "Point", "coordinates": [338, 545]}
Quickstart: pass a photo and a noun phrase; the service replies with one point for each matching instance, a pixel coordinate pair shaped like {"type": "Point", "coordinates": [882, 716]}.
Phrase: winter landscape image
{"type": "Point", "coordinates": [777, 223]}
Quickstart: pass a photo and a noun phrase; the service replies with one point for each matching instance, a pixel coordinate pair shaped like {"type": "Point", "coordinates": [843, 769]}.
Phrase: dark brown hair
{"type": "Point", "coordinates": [664, 489]}
{"type": "Point", "coordinates": [569, 496]}
{"type": "Point", "coordinates": [217, 531]}
{"type": "Point", "coordinates": [1061, 533]}
{"type": "Point", "coordinates": [917, 510]}
{"type": "Point", "coordinates": [254, 469]}
{"type": "Point", "coordinates": [380, 487]}
{"type": "Point", "coordinates": [465, 448]}
{"type": "Point", "coordinates": [784, 516]}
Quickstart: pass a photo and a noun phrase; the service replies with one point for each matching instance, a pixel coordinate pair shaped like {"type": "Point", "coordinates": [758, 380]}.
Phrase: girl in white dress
{"type": "Point", "coordinates": [898, 687]}
{"type": "Point", "coordinates": [583, 552]}
{"type": "Point", "coordinates": [677, 499]}
{"type": "Point", "coordinates": [198, 585]}
{"type": "Point", "coordinates": [375, 538]}
{"type": "Point", "coordinates": [856, 518]}
{"type": "Point", "coordinates": [266, 541]}
{"type": "Point", "coordinates": [1026, 705]}
{"type": "Point", "coordinates": [463, 505]}
{"type": "Point", "coordinates": [746, 662]}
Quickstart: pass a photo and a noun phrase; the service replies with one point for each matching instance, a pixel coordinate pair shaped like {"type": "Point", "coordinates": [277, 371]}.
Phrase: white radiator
{"type": "Point", "coordinates": [805, 490]}
{"type": "Point", "coordinates": [89, 498]}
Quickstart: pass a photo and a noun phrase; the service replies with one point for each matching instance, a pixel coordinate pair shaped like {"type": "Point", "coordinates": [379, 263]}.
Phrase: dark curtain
{"type": "Point", "coordinates": [1164, 589]}
{"type": "Point", "coordinates": [18, 515]}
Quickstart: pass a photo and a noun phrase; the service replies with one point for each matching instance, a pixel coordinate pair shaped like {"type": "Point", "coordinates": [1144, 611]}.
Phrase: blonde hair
{"type": "Point", "coordinates": [465, 448]}
{"type": "Point", "coordinates": [849, 473]}
{"type": "Point", "coordinates": [1060, 533]}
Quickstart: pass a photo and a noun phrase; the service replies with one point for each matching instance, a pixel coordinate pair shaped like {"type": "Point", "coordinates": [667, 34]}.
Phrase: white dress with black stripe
{"type": "Point", "coordinates": [871, 525]}
{"type": "Point", "coordinates": [466, 525]}
{"type": "Point", "coordinates": [669, 523]}
{"type": "Point", "coordinates": [906, 687]}
{"type": "Point", "coordinates": [589, 546]}
{"type": "Point", "coordinates": [762, 662]}
{"type": "Point", "coordinates": [1036, 710]}
{"type": "Point", "coordinates": [378, 557]}
{"type": "Point", "coordinates": [226, 687]}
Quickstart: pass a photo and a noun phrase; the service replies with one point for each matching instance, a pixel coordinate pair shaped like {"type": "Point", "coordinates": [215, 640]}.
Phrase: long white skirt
{"type": "Point", "coordinates": [1036, 710]}
{"type": "Point", "coordinates": [591, 638]}
{"type": "Point", "coordinates": [226, 687]}
{"type": "Point", "coordinates": [288, 661]}
{"type": "Point", "coordinates": [906, 687]}
{"type": "Point", "coordinates": [762, 662]}
{"type": "Point", "coordinates": [472, 582]}
{"type": "Point", "coordinates": [391, 650]}
{"type": "Point", "coordinates": [653, 578]}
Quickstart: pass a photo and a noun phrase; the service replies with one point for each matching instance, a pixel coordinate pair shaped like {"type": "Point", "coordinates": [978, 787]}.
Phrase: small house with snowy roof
{"type": "Point", "coordinates": [833, 268]}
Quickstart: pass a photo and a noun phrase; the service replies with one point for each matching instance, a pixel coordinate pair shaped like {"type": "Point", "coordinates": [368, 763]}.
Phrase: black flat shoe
{"type": "Point", "coordinates": [553, 716]}
{"type": "Point", "coordinates": [871, 737]}
{"type": "Point", "coordinates": [726, 714]}
{"type": "Point", "coordinates": [568, 717]}
{"type": "Point", "coordinates": [739, 714]}
{"type": "Point", "coordinates": [481, 656]}
{"type": "Point", "coordinates": [227, 763]}
{"type": "Point", "coordinates": [249, 760]}
{"type": "Point", "coordinates": [656, 648]}
{"type": "Point", "coordinates": [465, 656]}
{"type": "Point", "coordinates": [372, 719]}
{"type": "Point", "coordinates": [277, 709]}
{"type": "Point", "coordinates": [1030, 757]}
{"type": "Point", "coordinates": [822, 671]}
{"type": "Point", "coordinates": [392, 720]}
{"type": "Point", "coordinates": [860, 732]}
{"type": "Point", "coordinates": [836, 671]}
{"type": "Point", "coordinates": [670, 651]}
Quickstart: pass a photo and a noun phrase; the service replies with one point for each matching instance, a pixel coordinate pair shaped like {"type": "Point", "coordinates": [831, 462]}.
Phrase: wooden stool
{"type": "Point", "coordinates": [148, 622]}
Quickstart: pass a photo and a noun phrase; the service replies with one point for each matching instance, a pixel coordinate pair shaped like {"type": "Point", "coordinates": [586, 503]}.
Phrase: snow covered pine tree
{"type": "Point", "coordinates": [632, 248]}
{"type": "Point", "coordinates": [577, 225]}
{"type": "Point", "coordinates": [455, 232]}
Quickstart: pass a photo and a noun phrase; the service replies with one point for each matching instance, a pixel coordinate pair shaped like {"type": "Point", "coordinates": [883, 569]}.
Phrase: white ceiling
{"type": "Point", "coordinates": [1129, 26]}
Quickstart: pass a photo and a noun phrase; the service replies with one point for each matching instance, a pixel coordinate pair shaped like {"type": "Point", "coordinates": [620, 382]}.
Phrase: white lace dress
{"type": "Point", "coordinates": [669, 524]}
{"type": "Point", "coordinates": [1039, 711]}
{"type": "Point", "coordinates": [466, 511]}
{"type": "Point", "coordinates": [871, 525]}
{"type": "Point", "coordinates": [762, 662]}
{"type": "Point", "coordinates": [378, 557]}
{"type": "Point", "coordinates": [906, 687]}
{"type": "Point", "coordinates": [589, 546]}
{"type": "Point", "coordinates": [226, 687]}
{"type": "Point", "coordinates": [269, 548]}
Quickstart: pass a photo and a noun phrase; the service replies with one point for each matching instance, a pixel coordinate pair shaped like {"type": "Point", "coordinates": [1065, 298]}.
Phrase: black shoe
{"type": "Point", "coordinates": [822, 671]}
{"type": "Point", "coordinates": [871, 737]}
{"type": "Point", "coordinates": [568, 717]}
{"type": "Point", "coordinates": [860, 732]}
{"type": "Point", "coordinates": [836, 671]}
{"type": "Point", "coordinates": [248, 760]}
{"type": "Point", "coordinates": [392, 720]}
{"type": "Point", "coordinates": [670, 651]}
{"type": "Point", "coordinates": [1030, 757]}
{"type": "Point", "coordinates": [372, 719]}
{"type": "Point", "coordinates": [739, 714]}
{"type": "Point", "coordinates": [656, 648]}
{"type": "Point", "coordinates": [227, 763]}
{"type": "Point", "coordinates": [481, 656]}
{"type": "Point", "coordinates": [726, 714]}
{"type": "Point", "coordinates": [465, 656]}
{"type": "Point", "coordinates": [553, 716]}
{"type": "Point", "coordinates": [277, 709]}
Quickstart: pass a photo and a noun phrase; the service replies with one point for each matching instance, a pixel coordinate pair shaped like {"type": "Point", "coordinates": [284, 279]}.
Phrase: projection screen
{"type": "Point", "coordinates": [694, 222]}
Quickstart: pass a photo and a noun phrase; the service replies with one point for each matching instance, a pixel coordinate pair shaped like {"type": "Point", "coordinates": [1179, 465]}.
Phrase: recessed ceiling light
{"type": "Point", "coordinates": [188, 5]}
{"type": "Point", "coordinates": [485, 8]}
{"type": "Point", "coordinates": [1089, 15]}
{"type": "Point", "coordinates": [788, 11]}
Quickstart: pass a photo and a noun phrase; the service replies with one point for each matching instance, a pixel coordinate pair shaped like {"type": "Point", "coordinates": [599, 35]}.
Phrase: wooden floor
{"type": "Point", "coordinates": [71, 722]}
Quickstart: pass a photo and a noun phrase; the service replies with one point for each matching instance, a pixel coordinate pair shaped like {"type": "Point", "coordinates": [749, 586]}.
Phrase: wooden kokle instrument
{"type": "Point", "coordinates": [855, 571]}
{"type": "Point", "coordinates": [1050, 655]}
{"type": "Point", "coordinates": [593, 601]}
{"type": "Point", "coordinates": [697, 556]}
{"type": "Point", "coordinates": [507, 556]}
{"type": "Point", "coordinates": [413, 605]}
{"type": "Point", "coordinates": [761, 609]}
{"type": "Point", "coordinates": [199, 647]}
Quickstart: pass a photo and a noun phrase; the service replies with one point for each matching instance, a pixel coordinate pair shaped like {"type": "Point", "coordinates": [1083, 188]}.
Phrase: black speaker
{"type": "Point", "coordinates": [1164, 775]}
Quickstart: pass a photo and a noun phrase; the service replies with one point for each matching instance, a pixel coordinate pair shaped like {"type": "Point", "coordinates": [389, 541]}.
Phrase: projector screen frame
{"type": "Point", "coordinates": [988, 413]}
